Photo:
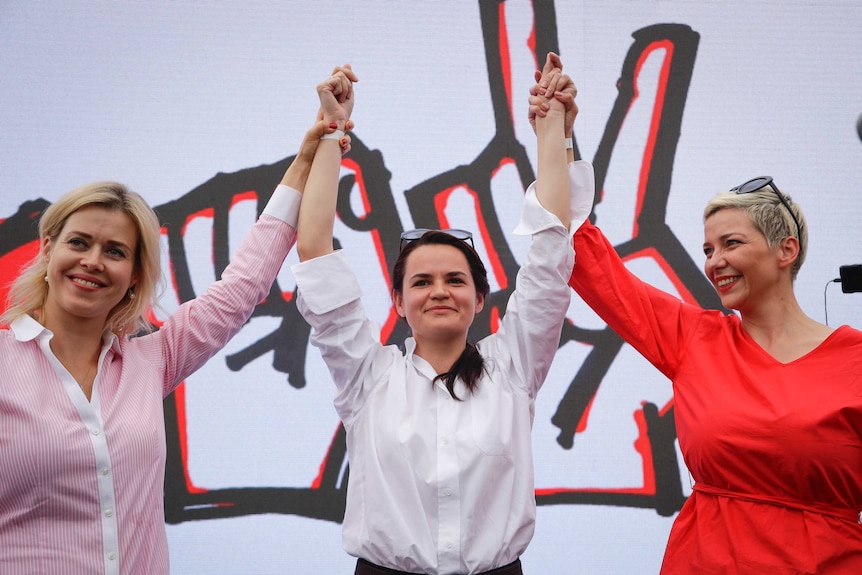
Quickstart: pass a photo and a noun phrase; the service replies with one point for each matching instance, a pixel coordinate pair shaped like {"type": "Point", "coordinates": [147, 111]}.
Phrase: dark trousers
{"type": "Point", "coordinates": [363, 567]}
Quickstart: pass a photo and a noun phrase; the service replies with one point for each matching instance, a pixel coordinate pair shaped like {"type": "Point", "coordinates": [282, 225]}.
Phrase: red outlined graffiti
{"type": "Point", "coordinates": [366, 204]}
{"type": "Point", "coordinates": [653, 239]}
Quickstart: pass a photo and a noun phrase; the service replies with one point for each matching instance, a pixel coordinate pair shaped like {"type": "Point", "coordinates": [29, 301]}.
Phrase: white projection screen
{"type": "Point", "coordinates": [200, 106]}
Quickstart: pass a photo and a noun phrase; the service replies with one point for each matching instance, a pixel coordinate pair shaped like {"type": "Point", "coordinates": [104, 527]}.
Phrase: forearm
{"type": "Point", "coordinates": [297, 173]}
{"type": "Point", "coordinates": [552, 182]}
{"type": "Point", "coordinates": [317, 212]}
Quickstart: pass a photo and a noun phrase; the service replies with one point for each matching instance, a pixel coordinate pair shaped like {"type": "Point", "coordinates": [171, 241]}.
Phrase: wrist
{"type": "Point", "coordinates": [549, 127]}
{"type": "Point", "coordinates": [336, 135]}
{"type": "Point", "coordinates": [337, 123]}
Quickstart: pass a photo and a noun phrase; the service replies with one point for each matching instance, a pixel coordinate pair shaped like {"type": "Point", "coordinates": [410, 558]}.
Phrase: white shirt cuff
{"type": "Point", "coordinates": [327, 282]}
{"type": "Point", "coordinates": [582, 191]}
{"type": "Point", "coordinates": [284, 205]}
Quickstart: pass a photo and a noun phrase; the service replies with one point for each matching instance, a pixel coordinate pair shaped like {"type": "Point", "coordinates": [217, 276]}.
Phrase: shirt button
{"type": "Point", "coordinates": [95, 432]}
{"type": "Point", "coordinates": [449, 546]}
{"type": "Point", "coordinates": [109, 513]}
{"type": "Point", "coordinates": [445, 441]}
{"type": "Point", "coordinates": [447, 492]}
{"type": "Point", "coordinates": [103, 471]}
{"type": "Point", "coordinates": [112, 556]}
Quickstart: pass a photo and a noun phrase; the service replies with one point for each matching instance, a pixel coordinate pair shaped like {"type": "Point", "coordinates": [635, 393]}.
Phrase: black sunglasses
{"type": "Point", "coordinates": [755, 184]}
{"type": "Point", "coordinates": [413, 235]}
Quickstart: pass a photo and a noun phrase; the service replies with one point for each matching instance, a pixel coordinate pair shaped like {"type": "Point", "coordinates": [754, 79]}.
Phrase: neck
{"type": "Point", "coordinates": [63, 324]}
{"type": "Point", "coordinates": [442, 355]}
{"type": "Point", "coordinates": [784, 331]}
{"type": "Point", "coordinates": [78, 350]}
{"type": "Point", "coordinates": [779, 313]}
{"type": "Point", "coordinates": [74, 336]}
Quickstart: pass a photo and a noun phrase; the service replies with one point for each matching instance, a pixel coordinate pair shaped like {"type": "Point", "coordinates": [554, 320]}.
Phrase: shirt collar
{"type": "Point", "coordinates": [419, 363]}
{"type": "Point", "coordinates": [409, 347]}
{"type": "Point", "coordinates": [26, 328]}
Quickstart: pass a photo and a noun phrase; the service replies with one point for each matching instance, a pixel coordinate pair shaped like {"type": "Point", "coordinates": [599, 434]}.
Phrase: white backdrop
{"type": "Point", "coordinates": [165, 95]}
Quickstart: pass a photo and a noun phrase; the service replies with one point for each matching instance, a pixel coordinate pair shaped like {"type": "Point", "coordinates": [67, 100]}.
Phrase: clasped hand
{"type": "Point", "coordinates": [553, 91]}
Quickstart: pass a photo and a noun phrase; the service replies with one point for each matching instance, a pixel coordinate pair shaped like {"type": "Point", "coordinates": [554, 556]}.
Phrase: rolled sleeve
{"type": "Point", "coordinates": [326, 282]}
{"type": "Point", "coordinates": [284, 205]}
{"type": "Point", "coordinates": [582, 188]}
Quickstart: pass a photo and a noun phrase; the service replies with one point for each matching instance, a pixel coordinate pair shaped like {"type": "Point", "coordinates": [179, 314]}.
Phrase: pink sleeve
{"type": "Point", "coordinates": [202, 326]}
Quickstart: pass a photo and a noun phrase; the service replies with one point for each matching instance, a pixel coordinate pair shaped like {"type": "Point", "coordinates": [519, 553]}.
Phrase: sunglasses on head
{"type": "Point", "coordinates": [755, 184]}
{"type": "Point", "coordinates": [413, 235]}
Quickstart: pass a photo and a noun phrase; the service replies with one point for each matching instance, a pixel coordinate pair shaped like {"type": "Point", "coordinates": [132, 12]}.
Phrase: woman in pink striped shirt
{"type": "Point", "coordinates": [82, 441]}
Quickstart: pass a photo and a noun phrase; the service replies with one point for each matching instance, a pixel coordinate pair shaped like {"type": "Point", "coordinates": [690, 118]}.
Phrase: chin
{"type": "Point", "coordinates": [730, 302]}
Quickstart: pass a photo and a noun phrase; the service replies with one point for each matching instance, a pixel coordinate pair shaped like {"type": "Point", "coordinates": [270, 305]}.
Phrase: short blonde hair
{"type": "Point", "coordinates": [768, 215]}
{"type": "Point", "coordinates": [28, 293]}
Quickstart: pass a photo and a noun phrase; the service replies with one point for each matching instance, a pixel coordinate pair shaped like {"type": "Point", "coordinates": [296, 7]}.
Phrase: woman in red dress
{"type": "Point", "coordinates": [768, 401]}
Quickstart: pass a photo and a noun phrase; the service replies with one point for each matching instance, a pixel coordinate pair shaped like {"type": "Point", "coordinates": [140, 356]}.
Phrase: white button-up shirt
{"type": "Point", "coordinates": [438, 485]}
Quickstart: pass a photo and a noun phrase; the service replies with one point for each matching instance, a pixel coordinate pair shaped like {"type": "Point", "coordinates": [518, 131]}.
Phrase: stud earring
{"type": "Point", "coordinates": [131, 294]}
{"type": "Point", "coordinates": [46, 279]}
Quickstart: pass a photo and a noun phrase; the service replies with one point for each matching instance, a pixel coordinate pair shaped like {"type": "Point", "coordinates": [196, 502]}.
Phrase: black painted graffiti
{"type": "Point", "coordinates": [366, 174]}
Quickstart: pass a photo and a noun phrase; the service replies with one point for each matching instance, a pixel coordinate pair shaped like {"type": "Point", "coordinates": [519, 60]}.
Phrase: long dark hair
{"type": "Point", "coordinates": [470, 364]}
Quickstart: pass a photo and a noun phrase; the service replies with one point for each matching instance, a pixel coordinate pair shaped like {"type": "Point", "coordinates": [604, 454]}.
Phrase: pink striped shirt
{"type": "Point", "coordinates": [81, 483]}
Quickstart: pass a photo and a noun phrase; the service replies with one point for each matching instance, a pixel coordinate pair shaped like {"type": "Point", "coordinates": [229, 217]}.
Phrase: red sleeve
{"type": "Point", "coordinates": [655, 323]}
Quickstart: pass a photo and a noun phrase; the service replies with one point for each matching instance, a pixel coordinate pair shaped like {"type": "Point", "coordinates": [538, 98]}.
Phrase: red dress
{"type": "Point", "coordinates": [775, 449]}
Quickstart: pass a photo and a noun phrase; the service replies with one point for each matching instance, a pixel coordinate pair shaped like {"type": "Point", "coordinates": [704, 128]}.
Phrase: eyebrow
{"type": "Point", "coordinates": [86, 236]}
{"type": "Point", "coordinates": [723, 237]}
{"type": "Point", "coordinates": [423, 275]}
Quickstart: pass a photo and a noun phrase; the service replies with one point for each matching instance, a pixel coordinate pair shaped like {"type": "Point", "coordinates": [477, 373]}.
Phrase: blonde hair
{"type": "Point", "coordinates": [28, 293]}
{"type": "Point", "coordinates": [769, 216]}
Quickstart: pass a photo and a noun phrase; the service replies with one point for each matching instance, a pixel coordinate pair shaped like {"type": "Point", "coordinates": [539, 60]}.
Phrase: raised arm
{"type": "Point", "coordinates": [552, 114]}
{"type": "Point", "coordinates": [317, 211]}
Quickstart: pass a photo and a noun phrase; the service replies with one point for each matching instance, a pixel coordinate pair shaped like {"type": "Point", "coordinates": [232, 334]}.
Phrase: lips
{"type": "Point", "coordinates": [439, 308]}
{"type": "Point", "coordinates": [725, 282]}
{"type": "Point", "coordinates": [84, 282]}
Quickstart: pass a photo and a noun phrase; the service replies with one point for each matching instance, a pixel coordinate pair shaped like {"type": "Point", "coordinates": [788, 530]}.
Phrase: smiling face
{"type": "Point", "coordinates": [438, 296]}
{"type": "Point", "coordinates": [91, 265]}
{"type": "Point", "coordinates": [740, 264]}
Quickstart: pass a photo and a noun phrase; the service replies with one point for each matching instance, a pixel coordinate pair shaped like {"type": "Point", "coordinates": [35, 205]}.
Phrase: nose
{"type": "Point", "coordinates": [714, 261]}
{"type": "Point", "coordinates": [440, 290]}
{"type": "Point", "coordinates": [92, 260]}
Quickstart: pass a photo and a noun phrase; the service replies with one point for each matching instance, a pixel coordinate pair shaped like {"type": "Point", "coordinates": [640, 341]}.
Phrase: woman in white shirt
{"type": "Point", "coordinates": [438, 438]}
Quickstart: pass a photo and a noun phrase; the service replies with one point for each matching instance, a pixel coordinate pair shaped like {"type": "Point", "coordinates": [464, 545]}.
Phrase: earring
{"type": "Point", "coordinates": [46, 279]}
{"type": "Point", "coordinates": [131, 294]}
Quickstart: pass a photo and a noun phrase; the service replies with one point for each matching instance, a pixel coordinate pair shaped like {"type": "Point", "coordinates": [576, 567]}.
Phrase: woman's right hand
{"type": "Point", "coordinates": [336, 96]}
